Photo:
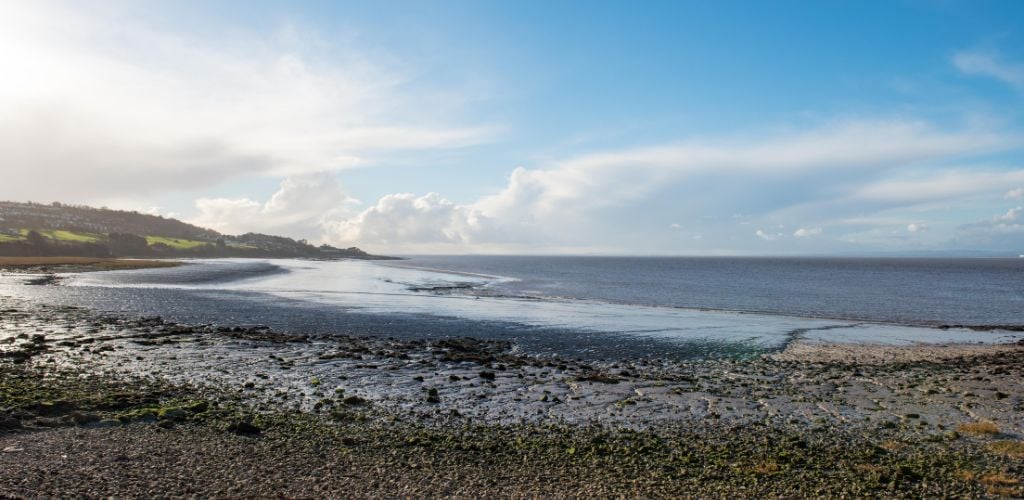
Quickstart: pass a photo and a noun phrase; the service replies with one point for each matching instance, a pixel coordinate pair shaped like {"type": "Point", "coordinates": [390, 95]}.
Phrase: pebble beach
{"type": "Point", "coordinates": [97, 405]}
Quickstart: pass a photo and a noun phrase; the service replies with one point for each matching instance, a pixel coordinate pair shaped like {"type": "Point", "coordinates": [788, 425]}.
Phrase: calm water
{"type": "Point", "coordinates": [580, 306]}
{"type": "Point", "coordinates": [919, 291]}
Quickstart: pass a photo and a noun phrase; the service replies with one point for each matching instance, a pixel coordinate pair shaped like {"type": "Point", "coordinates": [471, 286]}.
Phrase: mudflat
{"type": "Point", "coordinates": [98, 405]}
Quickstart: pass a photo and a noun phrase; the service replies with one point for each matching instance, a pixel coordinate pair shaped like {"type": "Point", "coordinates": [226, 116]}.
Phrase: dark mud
{"type": "Point", "coordinates": [97, 405]}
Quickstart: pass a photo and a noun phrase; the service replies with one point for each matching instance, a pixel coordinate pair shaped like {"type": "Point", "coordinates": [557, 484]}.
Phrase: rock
{"type": "Point", "coordinates": [9, 423]}
{"type": "Point", "coordinates": [84, 418]}
{"type": "Point", "coordinates": [48, 422]}
{"type": "Point", "coordinates": [198, 407]}
{"type": "Point", "coordinates": [172, 414]}
{"type": "Point", "coordinates": [486, 375]}
{"type": "Point", "coordinates": [49, 409]}
{"type": "Point", "coordinates": [244, 427]}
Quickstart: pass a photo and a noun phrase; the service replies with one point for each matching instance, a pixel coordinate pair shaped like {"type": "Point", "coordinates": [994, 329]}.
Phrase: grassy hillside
{"type": "Point", "coordinates": [176, 243]}
{"type": "Point", "coordinates": [62, 235]}
{"type": "Point", "coordinates": [32, 229]}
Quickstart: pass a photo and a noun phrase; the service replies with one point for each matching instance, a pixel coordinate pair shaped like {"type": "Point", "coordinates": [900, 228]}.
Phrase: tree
{"type": "Point", "coordinates": [35, 239]}
{"type": "Point", "coordinates": [122, 244]}
{"type": "Point", "coordinates": [39, 244]}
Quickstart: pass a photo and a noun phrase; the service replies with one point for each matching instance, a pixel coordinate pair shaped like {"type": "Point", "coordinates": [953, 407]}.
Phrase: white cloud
{"type": "Point", "coordinates": [1014, 194]}
{"type": "Point", "coordinates": [1002, 232]}
{"type": "Point", "coordinates": [987, 64]}
{"type": "Point", "coordinates": [807, 232]}
{"type": "Point", "coordinates": [571, 202]}
{"type": "Point", "coordinates": [409, 222]}
{"type": "Point", "coordinates": [300, 207]}
{"type": "Point", "coordinates": [675, 226]}
{"type": "Point", "coordinates": [608, 179]}
{"type": "Point", "coordinates": [110, 103]}
{"type": "Point", "coordinates": [937, 185]}
{"type": "Point", "coordinates": [1011, 215]}
{"type": "Point", "coordinates": [914, 227]}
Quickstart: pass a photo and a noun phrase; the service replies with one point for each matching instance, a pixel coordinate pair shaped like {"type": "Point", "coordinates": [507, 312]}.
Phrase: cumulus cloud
{"type": "Point", "coordinates": [108, 103]}
{"type": "Point", "coordinates": [1014, 194]}
{"type": "Point", "coordinates": [558, 204]}
{"type": "Point", "coordinates": [807, 232]}
{"type": "Point", "coordinates": [302, 207]}
{"type": "Point", "coordinates": [914, 227]}
{"type": "Point", "coordinates": [988, 64]}
{"type": "Point", "coordinates": [420, 223]}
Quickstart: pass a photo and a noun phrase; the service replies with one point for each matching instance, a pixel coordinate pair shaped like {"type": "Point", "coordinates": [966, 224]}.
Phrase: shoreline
{"type": "Point", "coordinates": [409, 404]}
{"type": "Point", "coordinates": [46, 265]}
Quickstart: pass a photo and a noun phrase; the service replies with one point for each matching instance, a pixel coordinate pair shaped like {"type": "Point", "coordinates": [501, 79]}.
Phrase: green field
{"type": "Point", "coordinates": [175, 243]}
{"type": "Point", "coordinates": [242, 246]}
{"type": "Point", "coordinates": [61, 235]}
{"type": "Point", "coordinates": [54, 234]}
{"type": "Point", "coordinates": [70, 236]}
{"type": "Point", "coordinates": [82, 237]}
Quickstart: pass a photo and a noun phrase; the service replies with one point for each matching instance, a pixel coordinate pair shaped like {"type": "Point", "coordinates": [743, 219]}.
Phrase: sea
{"type": "Point", "coordinates": [582, 307]}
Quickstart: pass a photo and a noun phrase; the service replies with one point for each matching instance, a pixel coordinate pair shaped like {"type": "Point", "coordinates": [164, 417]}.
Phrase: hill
{"type": "Point", "coordinates": [33, 229]}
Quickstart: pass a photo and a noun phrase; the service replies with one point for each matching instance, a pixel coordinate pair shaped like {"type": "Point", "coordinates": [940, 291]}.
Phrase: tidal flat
{"type": "Point", "coordinates": [97, 405]}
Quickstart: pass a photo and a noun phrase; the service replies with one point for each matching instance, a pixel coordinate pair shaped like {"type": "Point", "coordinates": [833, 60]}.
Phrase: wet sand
{"type": "Point", "coordinates": [472, 417]}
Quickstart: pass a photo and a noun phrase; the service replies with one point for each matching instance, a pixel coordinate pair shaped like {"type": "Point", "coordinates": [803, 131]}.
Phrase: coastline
{"type": "Point", "coordinates": [38, 265]}
{"type": "Point", "coordinates": [813, 420]}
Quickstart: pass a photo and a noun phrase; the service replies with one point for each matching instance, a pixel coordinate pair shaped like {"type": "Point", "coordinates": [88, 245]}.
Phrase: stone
{"type": "Point", "coordinates": [244, 427]}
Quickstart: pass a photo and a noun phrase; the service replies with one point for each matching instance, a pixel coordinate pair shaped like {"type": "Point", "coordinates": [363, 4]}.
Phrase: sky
{"type": "Point", "coordinates": [530, 127]}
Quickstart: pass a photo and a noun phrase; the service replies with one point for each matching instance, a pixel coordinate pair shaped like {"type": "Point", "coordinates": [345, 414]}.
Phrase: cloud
{"type": "Point", "coordinates": [937, 184]}
{"type": "Point", "coordinates": [108, 103]}
{"type": "Point", "coordinates": [1011, 215]}
{"type": "Point", "coordinates": [301, 207]}
{"type": "Point", "coordinates": [807, 232]}
{"type": "Point", "coordinates": [914, 227]}
{"type": "Point", "coordinates": [987, 64]}
{"type": "Point", "coordinates": [580, 200]}
{"type": "Point", "coordinates": [857, 149]}
{"type": "Point", "coordinates": [1014, 194]}
{"type": "Point", "coordinates": [1002, 233]}
{"type": "Point", "coordinates": [406, 221]}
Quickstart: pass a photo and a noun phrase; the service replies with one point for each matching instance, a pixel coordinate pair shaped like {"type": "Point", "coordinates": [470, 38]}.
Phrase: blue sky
{"type": "Point", "coordinates": [531, 127]}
